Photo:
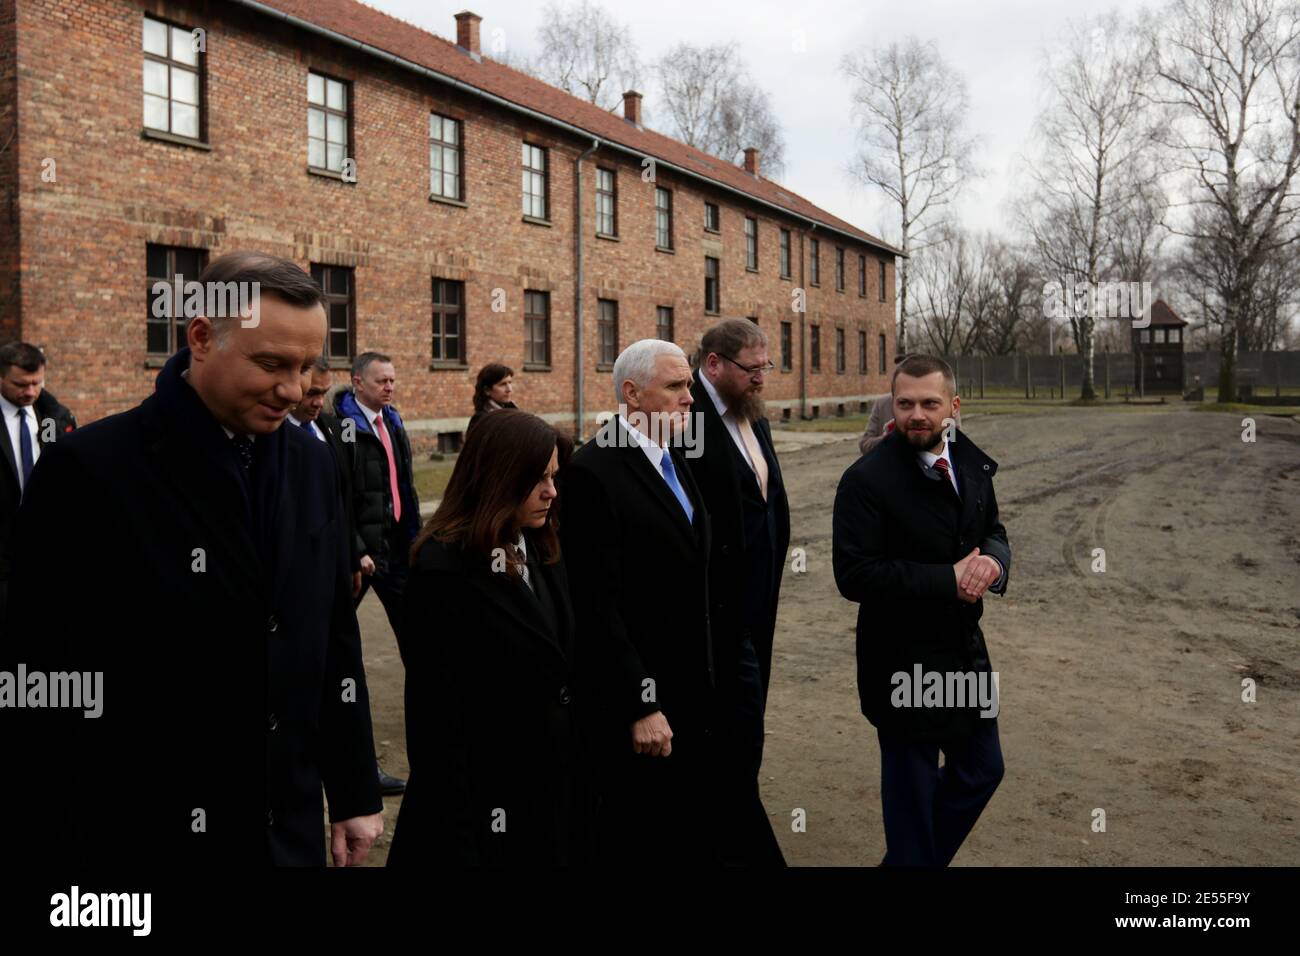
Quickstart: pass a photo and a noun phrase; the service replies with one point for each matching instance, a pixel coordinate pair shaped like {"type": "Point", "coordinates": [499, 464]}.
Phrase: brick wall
{"type": "Point", "coordinates": [84, 234]}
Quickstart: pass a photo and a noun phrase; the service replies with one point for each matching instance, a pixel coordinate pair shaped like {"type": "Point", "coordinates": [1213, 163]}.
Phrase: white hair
{"type": "Point", "coordinates": [636, 363]}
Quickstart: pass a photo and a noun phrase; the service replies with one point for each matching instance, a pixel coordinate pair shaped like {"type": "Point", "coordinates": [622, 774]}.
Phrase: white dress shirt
{"type": "Point", "coordinates": [728, 419]}
{"type": "Point", "coordinates": [652, 451]}
{"type": "Point", "coordinates": [12, 423]}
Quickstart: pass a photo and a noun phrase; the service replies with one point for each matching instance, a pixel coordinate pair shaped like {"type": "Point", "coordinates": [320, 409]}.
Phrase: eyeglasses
{"type": "Point", "coordinates": [750, 370]}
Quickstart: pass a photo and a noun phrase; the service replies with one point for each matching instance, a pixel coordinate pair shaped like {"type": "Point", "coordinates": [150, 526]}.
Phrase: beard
{"type": "Point", "coordinates": [748, 405]}
{"type": "Point", "coordinates": [924, 440]}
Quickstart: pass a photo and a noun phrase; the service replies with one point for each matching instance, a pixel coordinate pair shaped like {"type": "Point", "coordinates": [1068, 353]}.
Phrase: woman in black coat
{"type": "Point", "coordinates": [492, 391]}
{"type": "Point", "coordinates": [487, 639]}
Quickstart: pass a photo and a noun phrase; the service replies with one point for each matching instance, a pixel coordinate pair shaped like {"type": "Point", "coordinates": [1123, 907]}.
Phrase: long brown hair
{"type": "Point", "coordinates": [488, 376]}
{"type": "Point", "coordinates": [504, 457]}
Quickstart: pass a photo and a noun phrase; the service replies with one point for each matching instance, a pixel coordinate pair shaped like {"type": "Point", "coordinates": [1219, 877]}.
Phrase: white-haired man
{"type": "Point", "coordinates": [636, 541]}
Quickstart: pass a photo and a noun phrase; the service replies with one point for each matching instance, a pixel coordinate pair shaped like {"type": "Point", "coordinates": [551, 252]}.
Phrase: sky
{"type": "Point", "coordinates": [997, 45]}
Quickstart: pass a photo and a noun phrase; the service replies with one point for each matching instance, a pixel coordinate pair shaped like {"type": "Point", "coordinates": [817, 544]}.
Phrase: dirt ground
{"type": "Point", "coordinates": [1119, 690]}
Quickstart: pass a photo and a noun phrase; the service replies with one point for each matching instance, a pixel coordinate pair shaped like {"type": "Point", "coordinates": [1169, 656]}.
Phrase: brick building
{"type": "Point", "coordinates": [457, 211]}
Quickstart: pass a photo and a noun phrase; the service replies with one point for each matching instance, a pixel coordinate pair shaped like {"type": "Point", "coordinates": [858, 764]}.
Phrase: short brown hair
{"type": "Point", "coordinates": [729, 337]}
{"type": "Point", "coordinates": [274, 275]}
{"type": "Point", "coordinates": [921, 365]}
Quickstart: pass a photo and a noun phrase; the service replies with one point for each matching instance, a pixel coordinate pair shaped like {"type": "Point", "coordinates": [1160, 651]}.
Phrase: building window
{"type": "Point", "coordinates": [862, 353]}
{"type": "Point", "coordinates": [862, 275]}
{"type": "Point", "coordinates": [839, 269]}
{"type": "Point", "coordinates": [815, 261]}
{"type": "Point", "coordinates": [327, 123]}
{"type": "Point", "coordinates": [711, 292]}
{"type": "Point", "coordinates": [607, 332]}
{"type": "Point", "coordinates": [785, 253]}
{"type": "Point", "coordinates": [787, 336]}
{"type": "Point", "coordinates": [340, 308]}
{"type": "Point", "coordinates": [1176, 336]}
{"type": "Point", "coordinates": [173, 80]}
{"type": "Point", "coordinates": [164, 327]}
{"type": "Point", "coordinates": [882, 353]}
{"type": "Point", "coordinates": [712, 220]}
{"type": "Point", "coordinates": [536, 203]}
{"type": "Point", "coordinates": [882, 280]}
{"type": "Point", "coordinates": [664, 323]}
{"type": "Point", "coordinates": [537, 328]}
{"type": "Point", "coordinates": [839, 350]}
{"type": "Point", "coordinates": [448, 322]}
{"type": "Point", "coordinates": [815, 347]}
{"type": "Point", "coordinates": [606, 203]}
{"type": "Point", "coordinates": [663, 218]}
{"type": "Point", "coordinates": [751, 243]}
{"type": "Point", "coordinates": [444, 157]}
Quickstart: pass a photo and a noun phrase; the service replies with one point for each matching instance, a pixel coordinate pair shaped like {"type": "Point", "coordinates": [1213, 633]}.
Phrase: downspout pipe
{"type": "Point", "coordinates": [579, 356]}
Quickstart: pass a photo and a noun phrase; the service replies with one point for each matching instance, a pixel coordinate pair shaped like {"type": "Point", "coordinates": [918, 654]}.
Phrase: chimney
{"type": "Point", "coordinates": [751, 161]}
{"type": "Point", "coordinates": [632, 107]}
{"type": "Point", "coordinates": [467, 32]}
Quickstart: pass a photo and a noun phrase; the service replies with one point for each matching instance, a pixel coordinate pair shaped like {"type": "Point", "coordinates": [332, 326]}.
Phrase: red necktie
{"type": "Point", "coordinates": [941, 466]}
{"type": "Point", "coordinates": [382, 432]}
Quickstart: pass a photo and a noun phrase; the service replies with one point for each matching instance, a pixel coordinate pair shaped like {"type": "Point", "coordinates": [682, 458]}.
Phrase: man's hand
{"type": "Point", "coordinates": [974, 573]}
{"type": "Point", "coordinates": [356, 584]}
{"type": "Point", "coordinates": [350, 840]}
{"type": "Point", "coordinates": [652, 735]}
{"type": "Point", "coordinates": [367, 565]}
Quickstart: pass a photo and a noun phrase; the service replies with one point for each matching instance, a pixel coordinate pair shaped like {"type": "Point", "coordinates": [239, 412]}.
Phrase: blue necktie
{"type": "Point", "coordinates": [25, 447]}
{"type": "Point", "coordinates": [670, 474]}
{"type": "Point", "coordinates": [306, 426]}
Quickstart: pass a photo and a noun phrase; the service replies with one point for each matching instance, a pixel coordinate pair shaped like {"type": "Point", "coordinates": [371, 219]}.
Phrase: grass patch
{"type": "Point", "coordinates": [1240, 408]}
{"type": "Point", "coordinates": [431, 478]}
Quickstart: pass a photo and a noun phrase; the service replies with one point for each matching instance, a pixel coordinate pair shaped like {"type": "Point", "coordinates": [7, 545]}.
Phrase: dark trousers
{"type": "Point", "coordinates": [929, 809]}
{"type": "Point", "coordinates": [746, 836]}
{"type": "Point", "coordinates": [389, 584]}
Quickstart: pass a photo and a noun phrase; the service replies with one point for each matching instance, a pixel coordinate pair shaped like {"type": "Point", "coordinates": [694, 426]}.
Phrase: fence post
{"type": "Point", "coordinates": [1277, 373]}
{"type": "Point", "coordinates": [1107, 362]}
{"type": "Point", "coordinates": [1062, 377]}
{"type": "Point", "coordinates": [982, 376]}
{"type": "Point", "coordinates": [1028, 376]}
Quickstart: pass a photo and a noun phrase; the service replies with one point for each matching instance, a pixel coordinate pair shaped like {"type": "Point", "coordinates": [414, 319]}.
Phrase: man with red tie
{"type": "Point", "coordinates": [916, 543]}
{"type": "Point", "coordinates": [385, 508]}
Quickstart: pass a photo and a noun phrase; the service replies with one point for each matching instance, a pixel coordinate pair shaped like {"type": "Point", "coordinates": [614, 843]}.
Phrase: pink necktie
{"type": "Point", "coordinates": [382, 432]}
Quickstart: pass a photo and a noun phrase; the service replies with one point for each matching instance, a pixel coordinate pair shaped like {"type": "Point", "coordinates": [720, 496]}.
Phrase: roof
{"type": "Point", "coordinates": [387, 34]}
{"type": "Point", "coordinates": [1162, 314]}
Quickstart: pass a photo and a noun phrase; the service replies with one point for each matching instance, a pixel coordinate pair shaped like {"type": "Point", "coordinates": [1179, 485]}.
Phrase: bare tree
{"type": "Point", "coordinates": [910, 107]}
{"type": "Point", "coordinates": [946, 281]}
{"type": "Point", "coordinates": [1017, 297]}
{"type": "Point", "coordinates": [586, 53]}
{"type": "Point", "coordinates": [1095, 138]}
{"type": "Point", "coordinates": [711, 104]}
{"type": "Point", "coordinates": [1231, 71]}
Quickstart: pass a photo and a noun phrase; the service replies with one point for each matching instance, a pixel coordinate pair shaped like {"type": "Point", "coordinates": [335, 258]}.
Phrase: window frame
{"type": "Point", "coordinates": [318, 272]}
{"type": "Point", "coordinates": [612, 194]}
{"type": "Point", "coordinates": [532, 319]}
{"type": "Point", "coordinates": [459, 151]}
{"type": "Point", "coordinates": [328, 111]}
{"type": "Point", "coordinates": [814, 262]}
{"type": "Point", "coordinates": [814, 347]}
{"type": "Point", "coordinates": [199, 69]}
{"type": "Point", "coordinates": [784, 259]}
{"type": "Point", "coordinates": [716, 279]}
{"type": "Point", "coordinates": [175, 335]}
{"type": "Point", "coordinates": [839, 268]}
{"type": "Point", "coordinates": [660, 311]}
{"type": "Point", "coordinates": [533, 172]}
{"type": "Point", "coordinates": [717, 217]}
{"type": "Point", "coordinates": [751, 243]}
{"type": "Point", "coordinates": [606, 326]}
{"type": "Point", "coordinates": [438, 334]}
{"type": "Point", "coordinates": [666, 211]}
{"type": "Point", "coordinates": [787, 346]}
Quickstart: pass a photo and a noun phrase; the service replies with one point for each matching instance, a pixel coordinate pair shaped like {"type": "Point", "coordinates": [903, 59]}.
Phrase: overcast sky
{"type": "Point", "coordinates": [996, 44]}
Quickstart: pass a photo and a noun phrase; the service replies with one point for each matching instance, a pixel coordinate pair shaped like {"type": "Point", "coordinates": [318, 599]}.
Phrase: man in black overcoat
{"type": "Point", "coordinates": [739, 476]}
{"type": "Point", "coordinates": [635, 538]}
{"type": "Point", "coordinates": [916, 542]}
{"type": "Point", "coordinates": [193, 552]}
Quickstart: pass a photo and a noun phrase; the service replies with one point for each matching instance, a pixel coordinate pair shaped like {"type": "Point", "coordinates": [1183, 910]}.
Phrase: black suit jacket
{"type": "Point", "coordinates": [233, 685]}
{"type": "Point", "coordinates": [639, 578]}
{"type": "Point", "coordinates": [749, 542]}
{"type": "Point", "coordinates": [492, 705]}
{"type": "Point", "coordinates": [897, 532]}
{"type": "Point", "coordinates": [333, 430]}
{"type": "Point", "coordinates": [47, 409]}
